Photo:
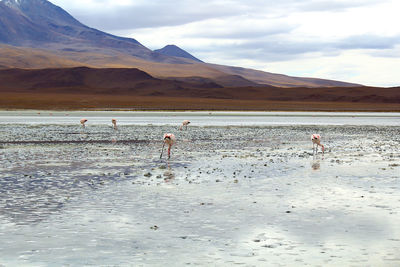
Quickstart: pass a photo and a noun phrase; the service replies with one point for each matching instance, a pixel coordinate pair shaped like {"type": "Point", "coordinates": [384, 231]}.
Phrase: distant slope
{"type": "Point", "coordinates": [280, 80]}
{"type": "Point", "coordinates": [28, 58]}
{"type": "Point", "coordinates": [174, 51]}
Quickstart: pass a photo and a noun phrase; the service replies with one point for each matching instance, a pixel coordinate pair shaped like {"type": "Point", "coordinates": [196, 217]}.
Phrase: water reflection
{"type": "Point", "coordinates": [168, 174]}
{"type": "Point", "coordinates": [28, 199]}
{"type": "Point", "coordinates": [114, 139]}
{"type": "Point", "coordinates": [316, 165]}
{"type": "Point", "coordinates": [32, 190]}
{"type": "Point", "coordinates": [316, 162]}
{"type": "Point", "coordinates": [83, 134]}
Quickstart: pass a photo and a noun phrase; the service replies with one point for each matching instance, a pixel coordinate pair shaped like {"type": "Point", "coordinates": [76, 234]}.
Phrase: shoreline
{"type": "Point", "coordinates": [267, 113]}
{"type": "Point", "coordinates": [201, 118]}
{"type": "Point", "coordinates": [101, 102]}
{"type": "Point", "coordinates": [193, 110]}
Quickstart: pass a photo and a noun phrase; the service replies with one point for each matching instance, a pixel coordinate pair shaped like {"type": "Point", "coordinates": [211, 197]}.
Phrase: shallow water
{"type": "Point", "coordinates": [202, 118]}
{"type": "Point", "coordinates": [249, 195]}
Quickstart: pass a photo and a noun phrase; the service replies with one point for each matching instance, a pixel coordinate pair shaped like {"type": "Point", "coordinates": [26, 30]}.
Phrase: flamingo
{"type": "Point", "coordinates": [316, 140]}
{"type": "Point", "coordinates": [83, 121]}
{"type": "Point", "coordinates": [170, 140]}
{"type": "Point", "coordinates": [114, 122]}
{"type": "Point", "coordinates": [184, 123]}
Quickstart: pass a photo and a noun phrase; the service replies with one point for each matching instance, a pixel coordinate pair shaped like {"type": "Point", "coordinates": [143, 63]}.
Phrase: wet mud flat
{"type": "Point", "coordinates": [251, 196]}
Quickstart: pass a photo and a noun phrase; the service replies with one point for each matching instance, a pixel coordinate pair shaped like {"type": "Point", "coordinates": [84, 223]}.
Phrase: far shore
{"type": "Point", "coordinates": [100, 102]}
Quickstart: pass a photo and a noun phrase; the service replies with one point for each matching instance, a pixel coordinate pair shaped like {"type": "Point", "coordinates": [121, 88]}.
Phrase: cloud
{"type": "Point", "coordinates": [277, 48]}
{"type": "Point", "coordinates": [387, 53]}
{"type": "Point", "coordinates": [369, 42]}
{"type": "Point", "coordinates": [129, 14]}
{"type": "Point", "coordinates": [334, 6]}
{"type": "Point", "coordinates": [147, 14]}
{"type": "Point", "coordinates": [242, 27]}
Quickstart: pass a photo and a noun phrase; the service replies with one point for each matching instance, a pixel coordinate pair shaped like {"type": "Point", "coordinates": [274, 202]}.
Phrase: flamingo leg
{"type": "Point", "coordinates": [162, 150]}
{"type": "Point", "coordinates": [169, 151]}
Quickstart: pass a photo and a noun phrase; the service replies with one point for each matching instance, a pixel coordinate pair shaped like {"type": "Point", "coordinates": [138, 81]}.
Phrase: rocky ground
{"type": "Point", "coordinates": [247, 196]}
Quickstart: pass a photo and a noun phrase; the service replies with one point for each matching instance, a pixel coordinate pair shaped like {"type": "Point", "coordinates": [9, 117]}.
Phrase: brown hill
{"type": "Point", "coordinates": [82, 87]}
{"type": "Point", "coordinates": [84, 80]}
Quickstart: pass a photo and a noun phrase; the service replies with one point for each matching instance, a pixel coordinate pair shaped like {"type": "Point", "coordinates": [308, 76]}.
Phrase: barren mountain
{"type": "Point", "coordinates": [39, 34]}
{"type": "Point", "coordinates": [40, 24]}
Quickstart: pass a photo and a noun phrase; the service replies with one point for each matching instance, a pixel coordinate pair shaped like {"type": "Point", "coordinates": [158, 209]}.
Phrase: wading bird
{"type": "Point", "coordinates": [316, 140]}
{"type": "Point", "coordinates": [184, 123]}
{"type": "Point", "coordinates": [114, 122]}
{"type": "Point", "coordinates": [83, 121]}
{"type": "Point", "coordinates": [170, 140]}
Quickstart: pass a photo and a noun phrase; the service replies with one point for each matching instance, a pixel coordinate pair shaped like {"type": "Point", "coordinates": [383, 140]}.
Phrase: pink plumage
{"type": "Point", "coordinates": [169, 139]}
{"type": "Point", "coordinates": [315, 137]}
{"type": "Point", "coordinates": [184, 123]}
{"type": "Point", "coordinates": [83, 121]}
{"type": "Point", "coordinates": [114, 122]}
{"type": "Point", "coordinates": [316, 140]}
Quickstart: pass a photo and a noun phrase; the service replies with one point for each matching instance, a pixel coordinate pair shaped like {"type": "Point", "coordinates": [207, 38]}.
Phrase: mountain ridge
{"type": "Point", "coordinates": [41, 24]}
{"type": "Point", "coordinates": [37, 30]}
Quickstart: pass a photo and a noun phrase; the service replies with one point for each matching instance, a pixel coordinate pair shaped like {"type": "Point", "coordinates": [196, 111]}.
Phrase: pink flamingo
{"type": "Point", "coordinates": [170, 140]}
{"type": "Point", "coordinates": [184, 123]}
{"type": "Point", "coordinates": [114, 122]}
{"type": "Point", "coordinates": [83, 121]}
{"type": "Point", "coordinates": [316, 140]}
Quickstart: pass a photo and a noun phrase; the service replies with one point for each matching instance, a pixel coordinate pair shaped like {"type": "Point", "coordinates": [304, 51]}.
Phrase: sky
{"type": "Point", "coordinates": [348, 40]}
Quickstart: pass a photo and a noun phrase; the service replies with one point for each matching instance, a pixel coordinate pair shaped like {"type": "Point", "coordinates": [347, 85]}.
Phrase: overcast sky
{"type": "Point", "coordinates": [349, 40]}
